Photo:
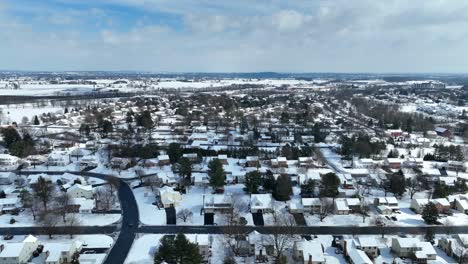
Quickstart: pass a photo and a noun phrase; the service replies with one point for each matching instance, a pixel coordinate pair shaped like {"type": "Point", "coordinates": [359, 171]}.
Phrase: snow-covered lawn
{"type": "Point", "coordinates": [149, 213]}
{"type": "Point", "coordinates": [193, 201]}
{"type": "Point", "coordinates": [336, 220]}
{"type": "Point", "coordinates": [25, 219]}
{"type": "Point", "coordinates": [143, 249]}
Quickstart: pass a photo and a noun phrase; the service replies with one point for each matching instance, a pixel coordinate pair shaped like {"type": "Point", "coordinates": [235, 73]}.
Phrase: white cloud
{"type": "Point", "coordinates": [288, 20]}
{"type": "Point", "coordinates": [339, 35]}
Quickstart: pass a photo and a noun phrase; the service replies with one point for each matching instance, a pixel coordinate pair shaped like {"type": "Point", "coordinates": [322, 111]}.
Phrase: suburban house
{"type": "Point", "coordinates": [455, 246]}
{"type": "Point", "coordinates": [341, 208]}
{"type": "Point", "coordinates": [57, 253]}
{"type": "Point", "coordinates": [312, 205]}
{"type": "Point", "coordinates": [58, 159]}
{"type": "Point", "coordinates": [193, 157]}
{"type": "Point", "coordinates": [119, 163]}
{"type": "Point", "coordinates": [18, 252]}
{"type": "Point", "coordinates": [169, 197]}
{"type": "Point", "coordinates": [389, 201]}
{"type": "Point", "coordinates": [252, 161]}
{"type": "Point", "coordinates": [164, 160]}
{"type": "Point", "coordinates": [442, 204]}
{"type": "Point", "coordinates": [461, 205]}
{"type": "Point", "coordinates": [357, 256]}
{"type": "Point", "coordinates": [82, 205]}
{"type": "Point", "coordinates": [9, 204]}
{"type": "Point", "coordinates": [7, 178]}
{"type": "Point", "coordinates": [223, 159]}
{"type": "Point", "coordinates": [413, 248]}
{"type": "Point", "coordinates": [368, 245]}
{"type": "Point", "coordinates": [261, 203]}
{"type": "Point", "coordinates": [8, 162]}
{"type": "Point", "coordinates": [218, 203]}
{"type": "Point", "coordinates": [443, 132]}
{"type": "Point", "coordinates": [308, 252]}
{"type": "Point", "coordinates": [393, 163]}
{"type": "Point", "coordinates": [80, 191]}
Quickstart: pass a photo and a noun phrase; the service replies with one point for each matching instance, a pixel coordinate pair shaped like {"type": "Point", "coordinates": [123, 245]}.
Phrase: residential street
{"type": "Point", "coordinates": [129, 226]}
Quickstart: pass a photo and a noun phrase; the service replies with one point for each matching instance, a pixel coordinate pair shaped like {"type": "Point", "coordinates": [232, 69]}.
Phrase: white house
{"type": "Point", "coordinates": [18, 252]}
{"type": "Point", "coordinates": [83, 205]}
{"type": "Point", "coordinates": [308, 252]}
{"type": "Point", "coordinates": [261, 203]}
{"type": "Point", "coordinates": [341, 207]}
{"type": "Point", "coordinates": [80, 191]}
{"type": "Point", "coordinates": [57, 253]}
{"type": "Point", "coordinates": [8, 162]}
{"type": "Point", "coordinates": [169, 197]}
{"type": "Point", "coordinates": [218, 203]}
{"type": "Point", "coordinates": [413, 247]}
{"type": "Point", "coordinates": [58, 159]}
{"type": "Point", "coordinates": [7, 178]}
{"type": "Point", "coordinates": [9, 204]}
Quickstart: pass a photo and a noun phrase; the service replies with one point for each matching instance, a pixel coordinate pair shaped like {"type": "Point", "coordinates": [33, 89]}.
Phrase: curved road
{"type": "Point", "coordinates": [130, 224]}
{"type": "Point", "coordinates": [130, 216]}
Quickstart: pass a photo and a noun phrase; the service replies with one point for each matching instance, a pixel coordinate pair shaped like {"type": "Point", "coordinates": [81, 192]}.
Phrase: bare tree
{"type": "Point", "coordinates": [105, 197]}
{"type": "Point", "coordinates": [184, 214]}
{"type": "Point", "coordinates": [43, 191]}
{"type": "Point", "coordinates": [414, 186]}
{"type": "Point", "coordinates": [364, 210]}
{"type": "Point", "coordinates": [233, 225]}
{"type": "Point", "coordinates": [153, 182]}
{"type": "Point", "coordinates": [326, 208]}
{"type": "Point", "coordinates": [63, 201]}
{"type": "Point", "coordinates": [282, 234]}
{"type": "Point", "coordinates": [49, 220]}
{"type": "Point", "coordinates": [379, 222]}
{"type": "Point", "coordinates": [73, 223]}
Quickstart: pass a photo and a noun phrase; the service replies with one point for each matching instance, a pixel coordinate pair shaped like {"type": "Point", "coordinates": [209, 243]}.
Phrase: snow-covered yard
{"type": "Point", "coordinates": [149, 213]}
{"type": "Point", "coordinates": [143, 249]}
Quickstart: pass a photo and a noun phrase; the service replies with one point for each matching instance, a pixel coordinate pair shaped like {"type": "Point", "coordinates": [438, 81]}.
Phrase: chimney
{"type": "Point", "coordinates": [310, 259]}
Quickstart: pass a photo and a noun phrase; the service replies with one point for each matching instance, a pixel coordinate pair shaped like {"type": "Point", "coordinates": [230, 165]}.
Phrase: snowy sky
{"type": "Point", "coordinates": [235, 35]}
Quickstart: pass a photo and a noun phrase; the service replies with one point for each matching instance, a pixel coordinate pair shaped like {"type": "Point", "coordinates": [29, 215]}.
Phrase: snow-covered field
{"type": "Point", "coordinates": [16, 112]}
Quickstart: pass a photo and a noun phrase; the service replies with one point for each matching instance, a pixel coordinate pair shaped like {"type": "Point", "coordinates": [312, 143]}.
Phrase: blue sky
{"type": "Point", "coordinates": [240, 36]}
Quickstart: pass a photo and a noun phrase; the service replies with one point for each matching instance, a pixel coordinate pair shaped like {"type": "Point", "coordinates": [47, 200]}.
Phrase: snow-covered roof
{"type": "Point", "coordinates": [261, 201]}
{"type": "Point", "coordinates": [311, 249]}
{"type": "Point", "coordinates": [358, 256]}
{"type": "Point", "coordinates": [311, 201]}
{"type": "Point", "coordinates": [341, 205]}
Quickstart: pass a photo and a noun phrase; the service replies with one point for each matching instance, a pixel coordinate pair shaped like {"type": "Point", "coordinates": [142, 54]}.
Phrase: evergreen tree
{"type": "Point", "coordinates": [10, 136]}
{"type": "Point", "coordinates": [175, 152]}
{"type": "Point", "coordinates": [36, 121]}
{"type": "Point", "coordinates": [216, 173]}
{"type": "Point", "coordinates": [440, 191]}
{"type": "Point", "coordinates": [252, 181]}
{"type": "Point", "coordinates": [308, 188]}
{"type": "Point", "coordinates": [177, 250]}
{"type": "Point", "coordinates": [397, 184]}
{"type": "Point", "coordinates": [330, 184]}
{"type": "Point", "coordinates": [185, 168]}
{"type": "Point", "coordinates": [269, 181]}
{"type": "Point", "coordinates": [429, 236]}
{"type": "Point", "coordinates": [283, 188]}
{"type": "Point", "coordinates": [430, 214]}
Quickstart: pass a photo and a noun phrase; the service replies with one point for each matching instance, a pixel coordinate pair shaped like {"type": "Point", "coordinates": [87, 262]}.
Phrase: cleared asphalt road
{"type": "Point", "coordinates": [129, 223]}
